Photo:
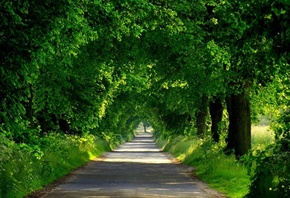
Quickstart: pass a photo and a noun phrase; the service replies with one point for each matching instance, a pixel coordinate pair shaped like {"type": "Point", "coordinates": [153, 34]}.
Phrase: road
{"type": "Point", "coordinates": [135, 169]}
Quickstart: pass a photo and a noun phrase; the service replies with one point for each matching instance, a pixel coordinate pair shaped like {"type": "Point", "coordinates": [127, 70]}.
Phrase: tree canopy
{"type": "Point", "coordinates": [94, 66]}
{"type": "Point", "coordinates": [103, 66]}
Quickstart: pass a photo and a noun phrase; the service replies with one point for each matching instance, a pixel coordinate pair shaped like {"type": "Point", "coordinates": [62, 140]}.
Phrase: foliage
{"type": "Point", "coordinates": [271, 166]}
{"type": "Point", "coordinates": [262, 136]}
{"type": "Point", "coordinates": [220, 171]}
{"type": "Point", "coordinates": [271, 173]}
{"type": "Point", "coordinates": [67, 62]}
{"type": "Point", "coordinates": [271, 178]}
{"type": "Point", "coordinates": [64, 62]}
{"type": "Point", "coordinates": [26, 168]}
{"type": "Point", "coordinates": [100, 67]}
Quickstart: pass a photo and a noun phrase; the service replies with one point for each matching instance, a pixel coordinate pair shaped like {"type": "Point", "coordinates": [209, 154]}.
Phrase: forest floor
{"type": "Point", "coordinates": [135, 169]}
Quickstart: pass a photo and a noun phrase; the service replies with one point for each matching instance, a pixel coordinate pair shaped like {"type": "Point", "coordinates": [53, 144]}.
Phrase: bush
{"type": "Point", "coordinates": [271, 177]}
{"type": "Point", "coordinates": [26, 168]}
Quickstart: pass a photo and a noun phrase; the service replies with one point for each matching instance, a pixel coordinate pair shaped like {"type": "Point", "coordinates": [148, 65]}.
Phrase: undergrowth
{"type": "Point", "coordinates": [271, 177]}
{"type": "Point", "coordinates": [26, 168]}
{"type": "Point", "coordinates": [222, 172]}
{"type": "Point", "coordinates": [262, 136]}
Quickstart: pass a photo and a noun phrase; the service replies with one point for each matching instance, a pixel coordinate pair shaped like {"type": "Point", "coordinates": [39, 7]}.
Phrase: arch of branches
{"type": "Point", "coordinates": [103, 66]}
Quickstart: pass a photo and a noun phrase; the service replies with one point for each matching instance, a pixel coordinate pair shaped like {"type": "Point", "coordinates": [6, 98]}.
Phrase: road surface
{"type": "Point", "coordinates": [135, 169]}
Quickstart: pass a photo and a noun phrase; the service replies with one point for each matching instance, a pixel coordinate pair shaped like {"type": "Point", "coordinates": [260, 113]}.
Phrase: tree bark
{"type": "Point", "coordinates": [216, 113]}
{"type": "Point", "coordinates": [201, 117]}
{"type": "Point", "coordinates": [239, 131]}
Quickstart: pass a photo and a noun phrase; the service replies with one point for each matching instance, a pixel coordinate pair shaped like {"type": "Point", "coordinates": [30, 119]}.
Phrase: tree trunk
{"type": "Point", "coordinates": [216, 113]}
{"type": "Point", "coordinates": [239, 132]}
{"type": "Point", "coordinates": [201, 117]}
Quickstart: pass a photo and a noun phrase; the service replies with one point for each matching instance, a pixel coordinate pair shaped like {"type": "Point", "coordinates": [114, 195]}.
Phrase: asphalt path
{"type": "Point", "coordinates": [135, 169]}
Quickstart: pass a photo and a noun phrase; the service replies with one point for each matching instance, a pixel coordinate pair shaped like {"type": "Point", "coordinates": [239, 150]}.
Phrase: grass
{"type": "Point", "coordinates": [27, 168]}
{"type": "Point", "coordinates": [222, 172]}
{"type": "Point", "coordinates": [24, 168]}
{"type": "Point", "coordinates": [261, 136]}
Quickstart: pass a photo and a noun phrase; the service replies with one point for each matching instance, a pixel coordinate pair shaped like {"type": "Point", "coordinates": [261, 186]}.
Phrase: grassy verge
{"type": "Point", "coordinates": [27, 168]}
{"type": "Point", "coordinates": [262, 136]}
{"type": "Point", "coordinates": [222, 172]}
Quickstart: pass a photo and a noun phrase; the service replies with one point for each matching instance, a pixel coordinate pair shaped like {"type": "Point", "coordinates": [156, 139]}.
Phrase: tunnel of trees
{"type": "Point", "coordinates": [97, 66]}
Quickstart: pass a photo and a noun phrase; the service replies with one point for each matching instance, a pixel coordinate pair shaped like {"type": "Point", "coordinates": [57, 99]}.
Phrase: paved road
{"type": "Point", "coordinates": [135, 169]}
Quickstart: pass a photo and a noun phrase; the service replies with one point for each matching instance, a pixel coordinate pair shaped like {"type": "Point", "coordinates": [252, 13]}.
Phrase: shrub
{"type": "Point", "coordinates": [26, 168]}
{"type": "Point", "coordinates": [271, 177]}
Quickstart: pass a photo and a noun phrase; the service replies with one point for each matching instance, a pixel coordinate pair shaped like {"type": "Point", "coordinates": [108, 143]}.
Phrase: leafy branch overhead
{"type": "Point", "coordinates": [97, 66]}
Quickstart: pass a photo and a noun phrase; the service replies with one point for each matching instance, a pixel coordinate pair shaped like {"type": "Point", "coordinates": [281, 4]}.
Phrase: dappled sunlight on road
{"type": "Point", "coordinates": [135, 169]}
{"type": "Point", "coordinates": [133, 159]}
{"type": "Point", "coordinates": [140, 150]}
{"type": "Point", "coordinates": [137, 147]}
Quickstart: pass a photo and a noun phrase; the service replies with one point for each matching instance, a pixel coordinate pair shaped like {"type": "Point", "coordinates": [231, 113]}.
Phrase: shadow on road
{"type": "Point", "coordinates": [135, 169]}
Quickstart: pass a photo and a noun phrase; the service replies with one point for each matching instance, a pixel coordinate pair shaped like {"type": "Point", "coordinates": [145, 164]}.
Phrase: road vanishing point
{"type": "Point", "coordinates": [135, 169]}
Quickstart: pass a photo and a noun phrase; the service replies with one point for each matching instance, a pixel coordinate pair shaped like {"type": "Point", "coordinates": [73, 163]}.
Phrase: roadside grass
{"type": "Point", "coordinates": [27, 168]}
{"type": "Point", "coordinates": [262, 136]}
{"type": "Point", "coordinates": [222, 172]}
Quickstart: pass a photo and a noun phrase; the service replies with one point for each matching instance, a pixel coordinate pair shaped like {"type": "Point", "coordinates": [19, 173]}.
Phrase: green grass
{"type": "Point", "coordinates": [261, 136]}
{"type": "Point", "coordinates": [222, 172]}
{"type": "Point", "coordinates": [24, 168]}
